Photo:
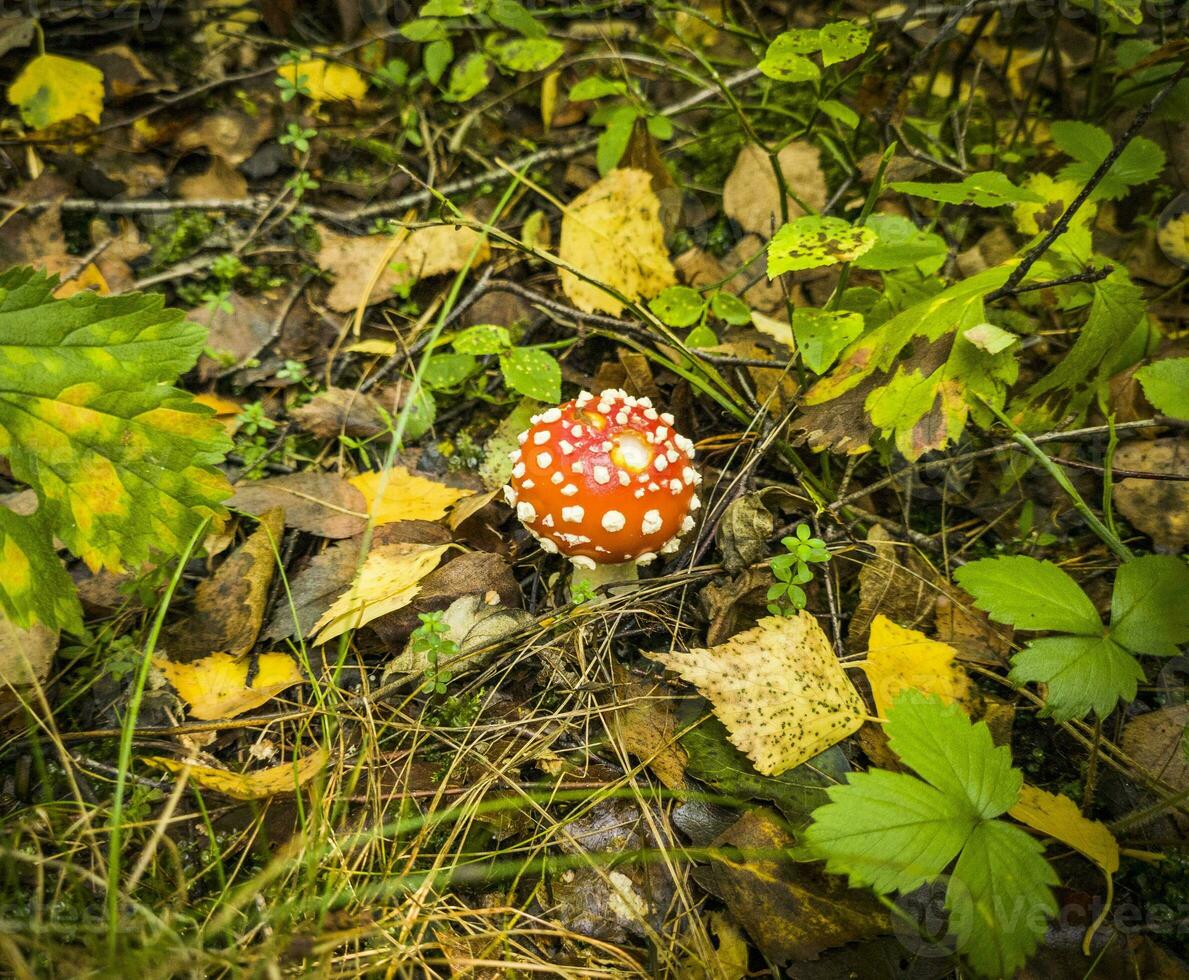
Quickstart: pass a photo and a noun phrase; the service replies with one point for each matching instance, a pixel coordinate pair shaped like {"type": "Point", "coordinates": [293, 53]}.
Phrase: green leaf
{"type": "Point", "coordinates": [730, 309]}
{"type": "Point", "coordinates": [999, 898]}
{"type": "Point", "coordinates": [595, 87]}
{"type": "Point", "coordinates": [510, 14]}
{"type": "Point", "coordinates": [840, 112]}
{"type": "Point", "coordinates": [901, 244]}
{"type": "Point", "coordinates": [122, 463]}
{"type": "Point", "coordinates": [467, 78]}
{"type": "Point", "coordinates": [1141, 160]}
{"type": "Point", "coordinates": [532, 372]}
{"type": "Point", "coordinates": [1083, 673]}
{"type": "Point", "coordinates": [437, 55]}
{"type": "Point", "coordinates": [986, 189]}
{"type": "Point", "coordinates": [34, 586]}
{"type": "Point", "coordinates": [485, 338]}
{"type": "Point", "coordinates": [1029, 594]}
{"type": "Point", "coordinates": [527, 54]}
{"type": "Point", "coordinates": [678, 306]}
{"type": "Point", "coordinates": [613, 141]}
{"type": "Point", "coordinates": [812, 242]}
{"type": "Point", "coordinates": [422, 415]}
{"type": "Point", "coordinates": [843, 40]}
{"type": "Point", "coordinates": [785, 59]}
{"type": "Point", "coordinates": [821, 335]}
{"type": "Point", "coordinates": [1166, 386]}
{"type": "Point", "coordinates": [424, 29]}
{"type": "Point", "coordinates": [1150, 605]}
{"type": "Point", "coordinates": [446, 8]}
{"type": "Point", "coordinates": [990, 338]}
{"type": "Point", "coordinates": [448, 370]}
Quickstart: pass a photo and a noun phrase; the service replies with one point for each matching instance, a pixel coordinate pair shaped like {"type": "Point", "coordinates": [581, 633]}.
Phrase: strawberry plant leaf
{"type": "Point", "coordinates": [34, 586]}
{"type": "Point", "coordinates": [1149, 613]}
{"type": "Point", "coordinates": [122, 463]}
{"type": "Point", "coordinates": [1030, 594]}
{"type": "Point", "coordinates": [532, 372]}
{"type": "Point", "coordinates": [1166, 386]}
{"type": "Point", "coordinates": [986, 189]}
{"type": "Point", "coordinates": [1083, 673]}
{"type": "Point", "coordinates": [1141, 160]}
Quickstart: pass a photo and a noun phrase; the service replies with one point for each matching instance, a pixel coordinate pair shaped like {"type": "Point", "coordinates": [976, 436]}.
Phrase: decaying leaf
{"type": "Point", "coordinates": [896, 582]}
{"type": "Point", "coordinates": [51, 89]}
{"type": "Point", "coordinates": [1058, 817]}
{"type": "Point", "coordinates": [418, 254]}
{"type": "Point", "coordinates": [318, 503]}
{"type": "Point", "coordinates": [778, 688]}
{"type": "Point", "coordinates": [899, 658]}
{"type": "Point", "coordinates": [257, 785]}
{"type": "Point", "coordinates": [612, 234]}
{"type": "Point", "coordinates": [645, 724]}
{"type": "Point", "coordinates": [217, 686]}
{"type": "Point", "coordinates": [25, 659]}
{"type": "Point", "coordinates": [751, 194]}
{"type": "Point", "coordinates": [743, 533]}
{"type": "Point", "coordinates": [1155, 741]}
{"type": "Point", "coordinates": [792, 911]}
{"type": "Point", "coordinates": [341, 411]}
{"type": "Point", "coordinates": [406, 496]}
{"type": "Point", "coordinates": [387, 581]}
{"type": "Point", "coordinates": [1159, 508]}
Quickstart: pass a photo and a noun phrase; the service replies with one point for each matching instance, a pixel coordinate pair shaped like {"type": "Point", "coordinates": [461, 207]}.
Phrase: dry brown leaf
{"type": "Point", "coordinates": [217, 686]}
{"type": "Point", "coordinates": [231, 135]}
{"type": "Point", "coordinates": [612, 234]}
{"type": "Point", "coordinates": [900, 659]}
{"type": "Point", "coordinates": [1154, 741]}
{"type": "Point", "coordinates": [25, 658]}
{"type": "Point", "coordinates": [406, 496]}
{"type": "Point", "coordinates": [421, 253]}
{"type": "Point", "coordinates": [236, 332]}
{"type": "Point", "coordinates": [257, 785]}
{"type": "Point", "coordinates": [778, 688]}
{"type": "Point", "coordinates": [219, 182]}
{"type": "Point", "coordinates": [317, 503]}
{"type": "Point", "coordinates": [338, 411]}
{"type": "Point", "coordinates": [645, 723]}
{"type": "Point", "coordinates": [1159, 508]}
{"type": "Point", "coordinates": [751, 194]}
{"type": "Point", "coordinates": [896, 582]}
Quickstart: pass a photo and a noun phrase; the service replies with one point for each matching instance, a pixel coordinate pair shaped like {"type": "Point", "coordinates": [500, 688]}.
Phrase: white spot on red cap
{"type": "Point", "coordinates": [551, 415]}
{"type": "Point", "coordinates": [526, 512]}
{"type": "Point", "coordinates": [652, 522]}
{"type": "Point", "coordinates": [601, 474]}
{"type": "Point", "coordinates": [573, 514]}
{"type": "Point", "coordinates": [613, 521]}
{"type": "Point", "coordinates": [569, 490]}
{"type": "Point", "coordinates": [544, 460]}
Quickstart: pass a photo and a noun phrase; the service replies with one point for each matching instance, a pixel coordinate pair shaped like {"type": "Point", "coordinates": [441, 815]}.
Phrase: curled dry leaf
{"type": "Point", "coordinates": [743, 533]}
{"type": "Point", "coordinates": [751, 194]}
{"type": "Point", "coordinates": [612, 234]}
{"type": "Point", "coordinates": [418, 254]}
{"type": "Point", "coordinates": [1159, 508]}
{"type": "Point", "coordinates": [217, 686]}
{"type": "Point", "coordinates": [778, 688]}
{"type": "Point", "coordinates": [406, 496]}
{"type": "Point", "coordinates": [899, 658]}
{"type": "Point", "coordinates": [317, 503]}
{"type": "Point", "coordinates": [341, 411]}
{"type": "Point", "coordinates": [895, 582]}
{"type": "Point", "coordinates": [258, 785]}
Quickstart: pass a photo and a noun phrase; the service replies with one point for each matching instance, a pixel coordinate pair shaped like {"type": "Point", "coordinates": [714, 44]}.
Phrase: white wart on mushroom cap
{"type": "Point", "coordinates": [605, 479]}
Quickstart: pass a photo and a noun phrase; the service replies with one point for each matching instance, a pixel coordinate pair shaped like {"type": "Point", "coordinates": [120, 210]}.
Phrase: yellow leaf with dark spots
{"type": "Point", "coordinates": [217, 686]}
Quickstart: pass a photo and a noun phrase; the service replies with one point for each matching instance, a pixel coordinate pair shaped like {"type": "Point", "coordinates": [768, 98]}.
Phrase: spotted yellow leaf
{"type": "Point", "coordinates": [612, 234]}
{"type": "Point", "coordinates": [900, 658]}
{"type": "Point", "coordinates": [326, 81]}
{"type": "Point", "coordinates": [388, 580]}
{"type": "Point", "coordinates": [217, 686]}
{"type": "Point", "coordinates": [51, 89]}
{"type": "Point", "coordinates": [405, 496]}
{"type": "Point", "coordinates": [259, 785]}
{"type": "Point", "coordinates": [778, 688]}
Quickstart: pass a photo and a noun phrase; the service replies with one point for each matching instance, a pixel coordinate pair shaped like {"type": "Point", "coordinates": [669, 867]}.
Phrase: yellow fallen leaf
{"type": "Point", "coordinates": [372, 345]}
{"type": "Point", "coordinates": [90, 278]}
{"type": "Point", "coordinates": [778, 688]}
{"type": "Point", "coordinates": [1059, 817]}
{"type": "Point", "coordinates": [407, 497]}
{"type": "Point", "coordinates": [221, 405]}
{"type": "Point", "coordinates": [612, 233]}
{"type": "Point", "coordinates": [326, 81]}
{"type": "Point", "coordinates": [259, 785]}
{"type": "Point", "coordinates": [51, 89]}
{"type": "Point", "coordinates": [469, 506]}
{"type": "Point", "coordinates": [217, 686]}
{"type": "Point", "coordinates": [387, 581]}
{"type": "Point", "coordinates": [900, 658]}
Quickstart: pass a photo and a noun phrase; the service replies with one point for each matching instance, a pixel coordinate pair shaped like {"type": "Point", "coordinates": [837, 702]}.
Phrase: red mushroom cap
{"type": "Point", "coordinates": [604, 479]}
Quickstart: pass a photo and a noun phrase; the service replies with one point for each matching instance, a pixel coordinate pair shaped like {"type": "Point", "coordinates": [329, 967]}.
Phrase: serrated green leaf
{"type": "Point", "coordinates": [484, 338]}
{"type": "Point", "coordinates": [1083, 673]}
{"type": "Point", "coordinates": [1150, 605]}
{"type": "Point", "coordinates": [1166, 386]}
{"type": "Point", "coordinates": [812, 242]}
{"type": "Point", "coordinates": [960, 759]}
{"type": "Point", "coordinates": [467, 78]}
{"type": "Point", "coordinates": [1141, 160]}
{"type": "Point", "coordinates": [532, 372]}
{"type": "Point", "coordinates": [1000, 898]}
{"type": "Point", "coordinates": [1029, 594]}
{"type": "Point", "coordinates": [121, 462]}
{"type": "Point", "coordinates": [843, 40]}
{"type": "Point", "coordinates": [986, 189]}
{"type": "Point", "coordinates": [822, 334]}
{"type": "Point", "coordinates": [34, 586]}
{"type": "Point", "coordinates": [730, 309]}
{"type": "Point", "coordinates": [678, 306]}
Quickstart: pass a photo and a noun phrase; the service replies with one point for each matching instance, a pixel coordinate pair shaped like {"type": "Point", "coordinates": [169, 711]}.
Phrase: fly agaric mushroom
{"type": "Point", "coordinates": [605, 481]}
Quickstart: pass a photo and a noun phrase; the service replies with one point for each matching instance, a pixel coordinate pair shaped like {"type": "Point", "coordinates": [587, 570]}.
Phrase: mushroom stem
{"type": "Point", "coordinates": [609, 574]}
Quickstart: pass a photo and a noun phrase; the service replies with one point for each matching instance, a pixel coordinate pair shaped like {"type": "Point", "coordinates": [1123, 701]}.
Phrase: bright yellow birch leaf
{"type": "Point", "coordinates": [387, 581]}
{"type": "Point", "coordinates": [900, 658]}
{"type": "Point", "coordinates": [217, 686]}
{"type": "Point", "coordinates": [778, 688]}
{"type": "Point", "coordinates": [407, 497]}
{"type": "Point", "coordinates": [51, 89]}
{"type": "Point", "coordinates": [326, 81]}
{"type": "Point", "coordinates": [259, 785]}
{"type": "Point", "coordinates": [612, 233]}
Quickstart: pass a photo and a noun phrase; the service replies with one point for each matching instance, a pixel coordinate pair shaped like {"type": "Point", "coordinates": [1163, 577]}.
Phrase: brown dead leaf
{"type": "Point", "coordinates": [612, 234]}
{"type": "Point", "coordinates": [743, 533]}
{"type": "Point", "coordinates": [645, 724]}
{"type": "Point", "coordinates": [420, 254]}
{"type": "Point", "coordinates": [734, 604]}
{"type": "Point", "coordinates": [340, 411]}
{"type": "Point", "coordinates": [219, 182]}
{"type": "Point", "coordinates": [124, 74]}
{"type": "Point", "coordinates": [238, 333]}
{"type": "Point", "coordinates": [1159, 508]}
{"type": "Point", "coordinates": [751, 194]}
{"type": "Point", "coordinates": [1154, 741]}
{"type": "Point", "coordinates": [793, 911]}
{"type": "Point", "coordinates": [318, 503]}
{"type": "Point", "coordinates": [233, 136]}
{"type": "Point", "coordinates": [897, 582]}
{"type": "Point", "coordinates": [25, 658]}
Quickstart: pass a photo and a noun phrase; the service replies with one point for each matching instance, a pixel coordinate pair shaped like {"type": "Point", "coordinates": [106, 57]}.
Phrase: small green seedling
{"type": "Point", "coordinates": [792, 570]}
